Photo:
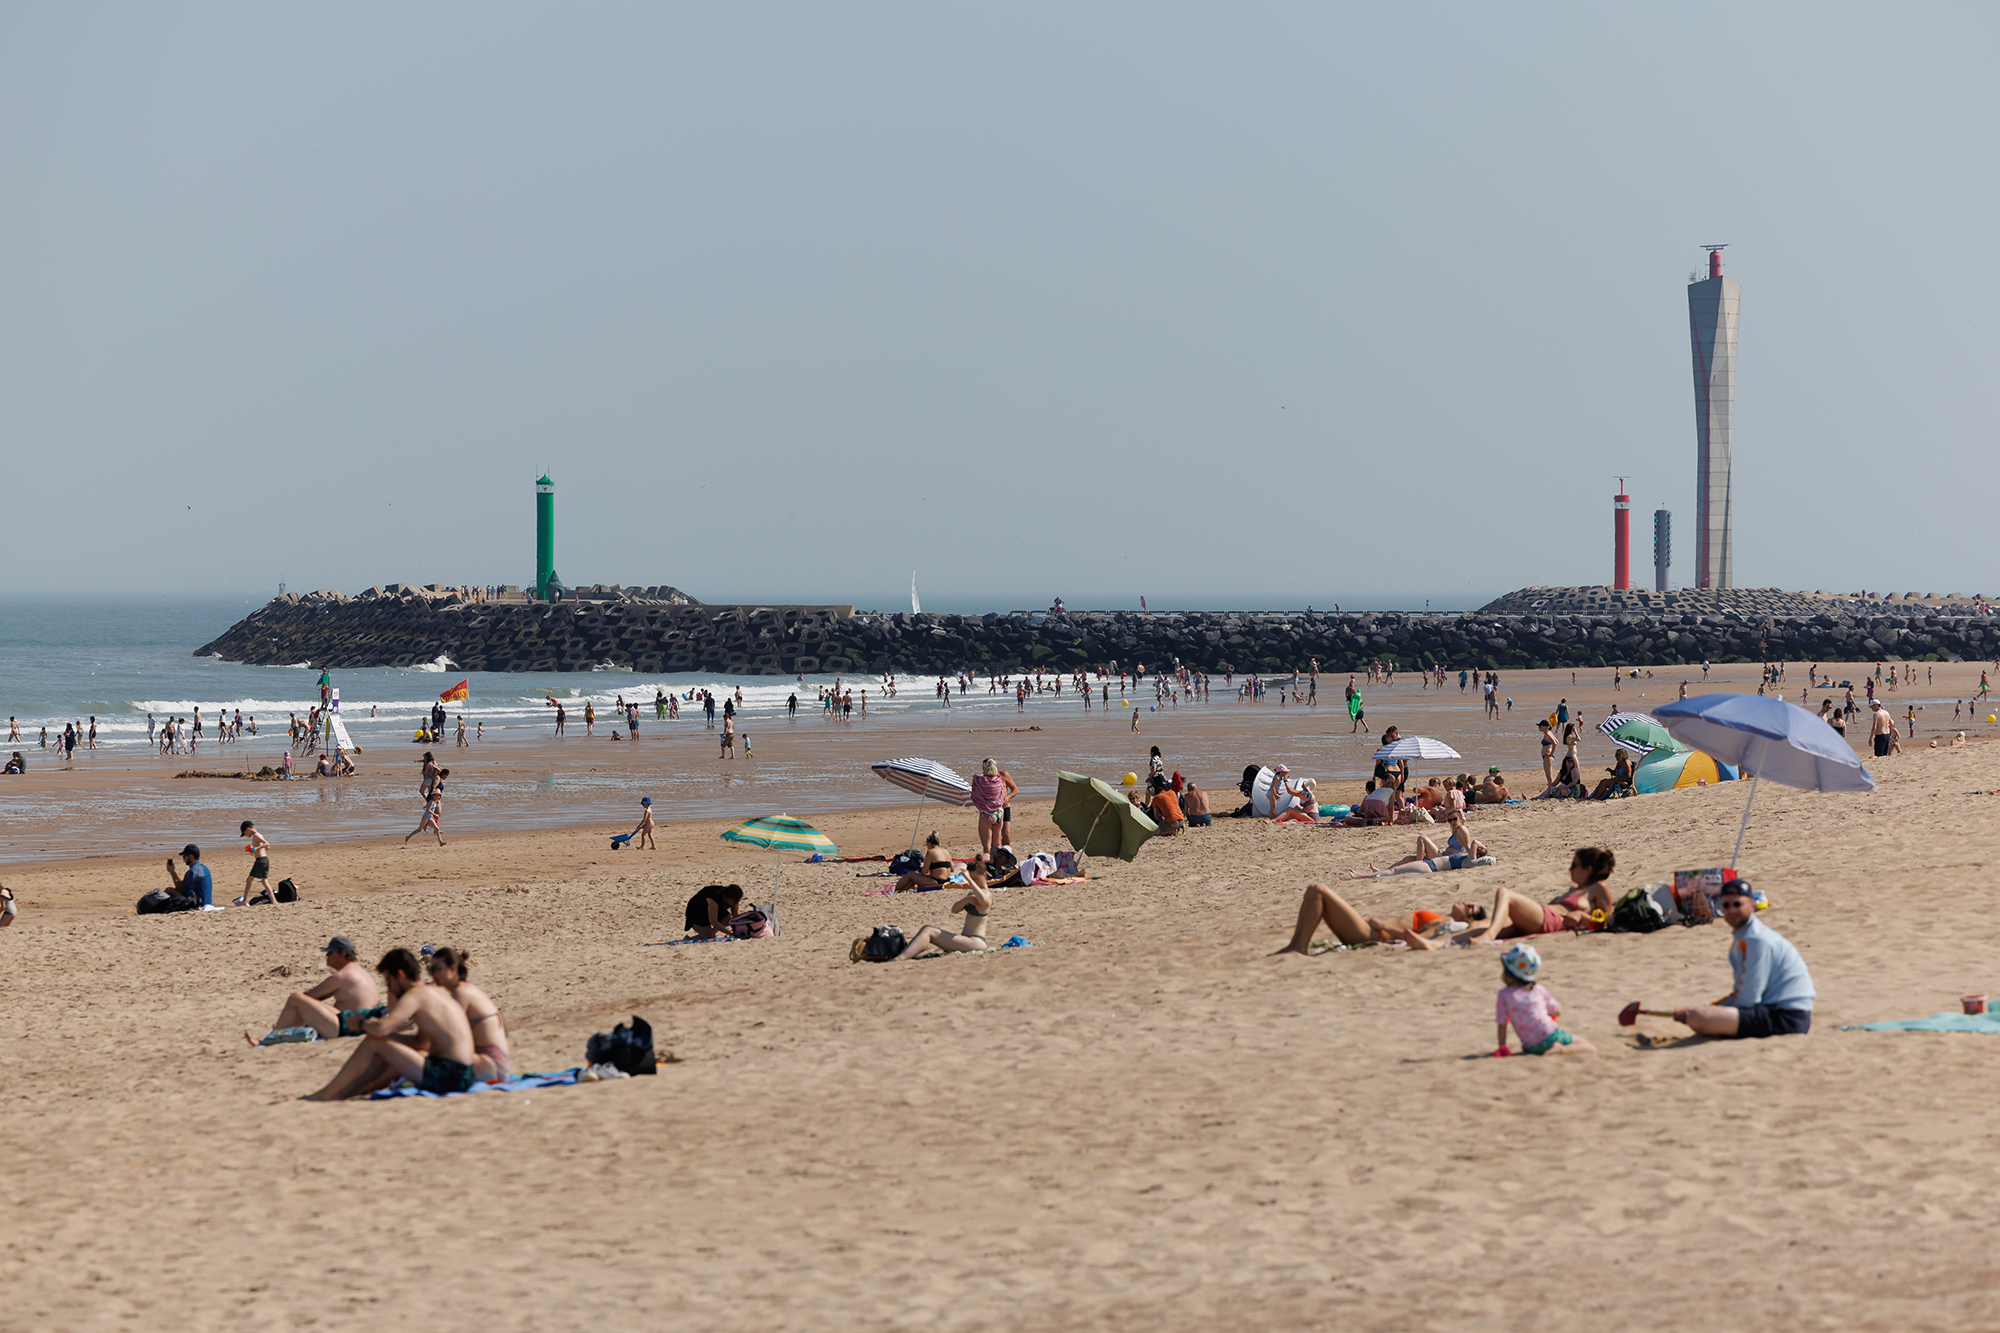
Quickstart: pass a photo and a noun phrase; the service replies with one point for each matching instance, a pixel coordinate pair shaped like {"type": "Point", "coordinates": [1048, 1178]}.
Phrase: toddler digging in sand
{"type": "Point", "coordinates": [1532, 1010]}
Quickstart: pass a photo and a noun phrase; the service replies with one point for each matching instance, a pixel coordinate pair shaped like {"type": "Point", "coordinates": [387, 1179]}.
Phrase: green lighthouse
{"type": "Point", "coordinates": [547, 582]}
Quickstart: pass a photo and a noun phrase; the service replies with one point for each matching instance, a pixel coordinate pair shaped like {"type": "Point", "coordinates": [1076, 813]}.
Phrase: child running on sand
{"type": "Point", "coordinates": [1532, 1010]}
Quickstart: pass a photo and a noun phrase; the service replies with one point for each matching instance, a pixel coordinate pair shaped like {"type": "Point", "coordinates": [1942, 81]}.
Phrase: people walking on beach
{"type": "Point", "coordinates": [562, 716]}
{"type": "Point", "coordinates": [1530, 1010]}
{"type": "Point", "coordinates": [440, 1063]}
{"type": "Point", "coordinates": [728, 738]}
{"type": "Point", "coordinates": [336, 1007]}
{"type": "Point", "coordinates": [433, 810]}
{"type": "Point", "coordinates": [259, 848]}
{"type": "Point", "coordinates": [1773, 995]}
{"type": "Point", "coordinates": [463, 743]}
{"type": "Point", "coordinates": [993, 790]}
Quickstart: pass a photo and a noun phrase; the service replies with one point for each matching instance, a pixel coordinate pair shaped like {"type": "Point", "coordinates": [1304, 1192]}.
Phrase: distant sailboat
{"type": "Point", "coordinates": [916, 607]}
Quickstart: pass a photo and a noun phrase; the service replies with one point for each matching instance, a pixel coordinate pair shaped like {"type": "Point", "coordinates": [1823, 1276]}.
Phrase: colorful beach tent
{"type": "Point", "coordinates": [1638, 733]}
{"type": "Point", "coordinates": [1097, 819]}
{"type": "Point", "coordinates": [1664, 770]}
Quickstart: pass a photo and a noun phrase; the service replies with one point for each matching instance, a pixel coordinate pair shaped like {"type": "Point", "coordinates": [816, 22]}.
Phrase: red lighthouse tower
{"type": "Point", "coordinates": [1621, 538]}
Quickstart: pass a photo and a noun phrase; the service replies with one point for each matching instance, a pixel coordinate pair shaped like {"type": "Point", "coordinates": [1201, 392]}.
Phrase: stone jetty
{"type": "Point", "coordinates": [649, 631]}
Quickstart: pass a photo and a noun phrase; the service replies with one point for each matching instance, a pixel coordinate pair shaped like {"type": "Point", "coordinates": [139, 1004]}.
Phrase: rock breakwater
{"type": "Point", "coordinates": [658, 637]}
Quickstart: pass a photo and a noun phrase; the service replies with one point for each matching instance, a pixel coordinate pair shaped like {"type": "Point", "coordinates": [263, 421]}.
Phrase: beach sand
{"type": "Point", "coordinates": [1145, 1121]}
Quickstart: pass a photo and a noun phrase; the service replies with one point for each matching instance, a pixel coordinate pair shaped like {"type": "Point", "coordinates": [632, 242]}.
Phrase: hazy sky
{"type": "Point", "coordinates": [1227, 305]}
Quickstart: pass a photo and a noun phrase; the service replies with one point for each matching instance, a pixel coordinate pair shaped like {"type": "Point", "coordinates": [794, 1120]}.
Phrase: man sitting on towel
{"type": "Point", "coordinates": [336, 1007]}
{"type": "Point", "coordinates": [1774, 993]}
{"type": "Point", "coordinates": [438, 1058]}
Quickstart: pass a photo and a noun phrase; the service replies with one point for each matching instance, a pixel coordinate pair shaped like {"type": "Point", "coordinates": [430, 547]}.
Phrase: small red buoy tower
{"type": "Point", "coordinates": [1621, 538]}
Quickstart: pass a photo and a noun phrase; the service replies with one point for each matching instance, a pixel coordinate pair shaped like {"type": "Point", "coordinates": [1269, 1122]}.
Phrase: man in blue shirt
{"type": "Point", "coordinates": [195, 884]}
{"type": "Point", "coordinates": [1774, 993]}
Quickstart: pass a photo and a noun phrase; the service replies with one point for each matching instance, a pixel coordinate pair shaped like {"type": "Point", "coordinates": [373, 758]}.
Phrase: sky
{"type": "Point", "coordinates": [1226, 306]}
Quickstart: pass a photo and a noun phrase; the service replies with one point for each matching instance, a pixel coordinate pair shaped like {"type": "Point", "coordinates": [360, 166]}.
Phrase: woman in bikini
{"type": "Point", "coordinates": [492, 1058]}
{"type": "Point", "coordinates": [992, 793]}
{"type": "Point", "coordinates": [1548, 752]}
{"type": "Point", "coordinates": [937, 868]}
{"type": "Point", "coordinates": [977, 904]}
{"type": "Point", "coordinates": [1585, 907]}
{"type": "Point", "coordinates": [1425, 931]}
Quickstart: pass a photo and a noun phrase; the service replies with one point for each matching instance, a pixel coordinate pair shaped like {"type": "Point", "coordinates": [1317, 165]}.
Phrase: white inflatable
{"type": "Point", "coordinates": [1260, 793]}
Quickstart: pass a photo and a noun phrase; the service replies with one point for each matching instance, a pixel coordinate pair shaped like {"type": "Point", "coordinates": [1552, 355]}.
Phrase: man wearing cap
{"type": "Point", "coordinates": [1774, 993]}
{"type": "Point", "coordinates": [1882, 727]}
{"type": "Point", "coordinates": [336, 1007]}
{"type": "Point", "coordinates": [196, 883]}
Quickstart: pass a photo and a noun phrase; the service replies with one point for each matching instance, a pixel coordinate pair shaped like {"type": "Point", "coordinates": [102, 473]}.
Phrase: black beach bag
{"type": "Point", "coordinates": [288, 892]}
{"type": "Point", "coordinates": [628, 1047]}
{"type": "Point", "coordinates": [162, 900]}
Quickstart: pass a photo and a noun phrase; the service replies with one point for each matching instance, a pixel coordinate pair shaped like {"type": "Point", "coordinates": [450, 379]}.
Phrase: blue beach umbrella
{"type": "Point", "coordinates": [1766, 738]}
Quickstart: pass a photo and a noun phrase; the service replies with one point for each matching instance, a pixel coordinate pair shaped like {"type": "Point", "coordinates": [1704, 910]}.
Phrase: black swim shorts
{"type": "Point", "coordinates": [352, 1019]}
{"type": "Point", "coordinates": [261, 868]}
{"type": "Point", "coordinates": [1881, 746]}
{"type": "Point", "coordinates": [445, 1076]}
{"type": "Point", "coordinates": [1763, 1020]}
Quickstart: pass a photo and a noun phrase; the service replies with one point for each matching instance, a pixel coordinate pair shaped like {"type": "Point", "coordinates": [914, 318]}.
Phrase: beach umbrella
{"type": "Point", "coordinates": [1766, 738]}
{"type": "Point", "coordinates": [1638, 733]}
{"type": "Point", "coordinates": [1097, 819]}
{"type": "Point", "coordinates": [780, 833]}
{"type": "Point", "coordinates": [1417, 747]}
{"type": "Point", "coordinates": [1664, 770]}
{"type": "Point", "coordinates": [929, 779]}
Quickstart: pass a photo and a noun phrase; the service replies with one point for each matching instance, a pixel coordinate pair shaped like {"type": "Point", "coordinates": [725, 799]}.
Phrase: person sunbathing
{"type": "Point", "coordinates": [437, 1058]}
{"type": "Point", "coordinates": [976, 903]}
{"type": "Point", "coordinates": [1426, 930]}
{"type": "Point", "coordinates": [1460, 850]}
{"type": "Point", "coordinates": [492, 1053]}
{"type": "Point", "coordinates": [937, 869]}
{"type": "Point", "coordinates": [1585, 907]}
{"type": "Point", "coordinates": [1493, 791]}
{"type": "Point", "coordinates": [336, 1007]}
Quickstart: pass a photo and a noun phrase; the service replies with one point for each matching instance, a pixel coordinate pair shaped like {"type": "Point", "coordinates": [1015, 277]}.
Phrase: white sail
{"type": "Point", "coordinates": [916, 607]}
{"type": "Point", "coordinates": [342, 739]}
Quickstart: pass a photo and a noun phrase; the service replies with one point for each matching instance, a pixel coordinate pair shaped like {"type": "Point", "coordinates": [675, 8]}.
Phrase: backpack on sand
{"type": "Point", "coordinates": [629, 1047]}
{"type": "Point", "coordinates": [883, 945]}
{"type": "Point", "coordinates": [288, 892]}
{"type": "Point", "coordinates": [161, 900]}
{"type": "Point", "coordinates": [1636, 913]}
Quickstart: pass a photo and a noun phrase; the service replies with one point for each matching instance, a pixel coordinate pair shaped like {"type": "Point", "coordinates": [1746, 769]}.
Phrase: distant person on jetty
{"type": "Point", "coordinates": [1773, 995]}
{"type": "Point", "coordinates": [444, 1062]}
{"type": "Point", "coordinates": [196, 883]}
{"type": "Point", "coordinates": [336, 1007]}
{"type": "Point", "coordinates": [492, 1053]}
{"type": "Point", "coordinates": [1322, 904]}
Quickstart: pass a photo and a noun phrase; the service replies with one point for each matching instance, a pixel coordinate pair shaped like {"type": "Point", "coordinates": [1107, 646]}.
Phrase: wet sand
{"type": "Point", "coordinates": [1146, 1120]}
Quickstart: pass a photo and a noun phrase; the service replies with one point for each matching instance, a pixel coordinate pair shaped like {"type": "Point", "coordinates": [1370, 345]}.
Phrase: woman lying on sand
{"type": "Point", "coordinates": [1350, 927]}
{"type": "Point", "coordinates": [492, 1058]}
{"type": "Point", "coordinates": [977, 904]}
{"type": "Point", "coordinates": [1459, 851]}
{"type": "Point", "coordinates": [1585, 907]}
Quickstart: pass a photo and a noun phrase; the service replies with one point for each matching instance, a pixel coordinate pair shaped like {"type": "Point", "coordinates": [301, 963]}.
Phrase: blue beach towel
{"type": "Point", "coordinates": [1944, 1022]}
{"type": "Point", "coordinates": [520, 1083]}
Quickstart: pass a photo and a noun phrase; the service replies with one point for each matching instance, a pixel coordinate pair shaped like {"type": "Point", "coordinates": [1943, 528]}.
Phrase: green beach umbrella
{"type": "Point", "coordinates": [780, 833]}
{"type": "Point", "coordinates": [1639, 734]}
{"type": "Point", "coordinates": [1097, 819]}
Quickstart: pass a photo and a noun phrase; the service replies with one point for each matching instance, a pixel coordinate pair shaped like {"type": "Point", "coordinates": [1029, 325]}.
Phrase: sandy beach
{"type": "Point", "coordinates": [1144, 1121]}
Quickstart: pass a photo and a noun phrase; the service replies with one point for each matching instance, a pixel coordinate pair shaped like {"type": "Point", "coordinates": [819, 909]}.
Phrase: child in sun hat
{"type": "Point", "coordinates": [1523, 1002]}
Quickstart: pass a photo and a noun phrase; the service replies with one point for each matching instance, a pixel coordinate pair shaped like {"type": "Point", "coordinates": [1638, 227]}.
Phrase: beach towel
{"type": "Point", "coordinates": [280, 1036]}
{"type": "Point", "coordinates": [1944, 1022]}
{"type": "Point", "coordinates": [520, 1083]}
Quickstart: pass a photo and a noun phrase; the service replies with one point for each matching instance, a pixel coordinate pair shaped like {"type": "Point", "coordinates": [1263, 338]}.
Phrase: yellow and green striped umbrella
{"type": "Point", "coordinates": [781, 833]}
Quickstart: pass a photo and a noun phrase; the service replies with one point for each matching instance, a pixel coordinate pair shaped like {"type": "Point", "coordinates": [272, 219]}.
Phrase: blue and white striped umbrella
{"type": "Point", "coordinates": [927, 778]}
